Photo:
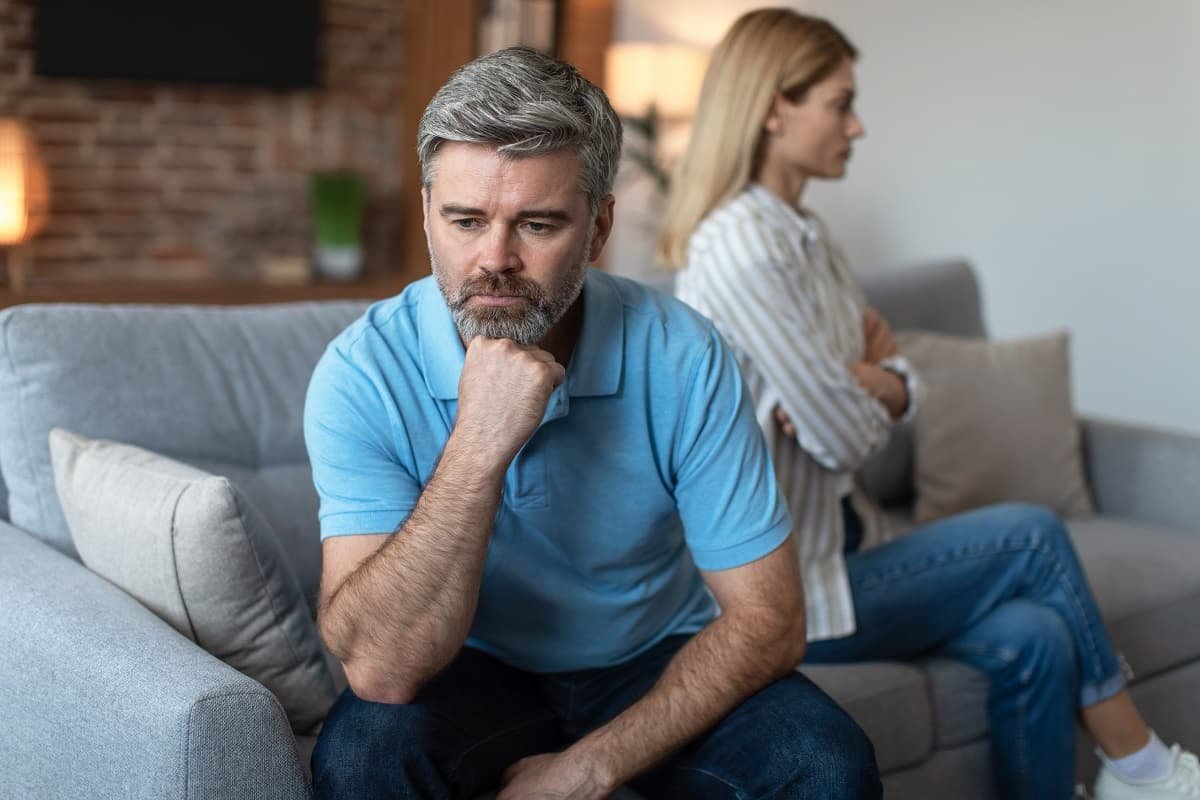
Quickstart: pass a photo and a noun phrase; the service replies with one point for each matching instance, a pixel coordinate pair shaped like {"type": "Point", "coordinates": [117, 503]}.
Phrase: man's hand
{"type": "Point", "coordinates": [553, 776]}
{"type": "Point", "coordinates": [503, 392]}
{"type": "Point", "coordinates": [879, 343]}
{"type": "Point", "coordinates": [885, 386]}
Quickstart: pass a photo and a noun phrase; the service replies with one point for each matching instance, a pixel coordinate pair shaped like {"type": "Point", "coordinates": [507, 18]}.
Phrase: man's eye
{"type": "Point", "coordinates": [538, 227]}
{"type": "Point", "coordinates": [464, 224]}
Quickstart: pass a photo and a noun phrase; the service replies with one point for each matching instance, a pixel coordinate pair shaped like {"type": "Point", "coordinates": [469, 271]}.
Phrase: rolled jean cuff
{"type": "Point", "coordinates": [1093, 693]}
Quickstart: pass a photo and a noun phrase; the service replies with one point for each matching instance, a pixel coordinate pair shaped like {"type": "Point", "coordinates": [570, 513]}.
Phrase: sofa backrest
{"type": "Point", "coordinates": [938, 296]}
{"type": "Point", "coordinates": [221, 388]}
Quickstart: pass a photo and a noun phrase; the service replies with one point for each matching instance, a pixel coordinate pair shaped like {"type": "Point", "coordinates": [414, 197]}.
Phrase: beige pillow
{"type": "Point", "coordinates": [190, 547]}
{"type": "Point", "coordinates": [995, 425]}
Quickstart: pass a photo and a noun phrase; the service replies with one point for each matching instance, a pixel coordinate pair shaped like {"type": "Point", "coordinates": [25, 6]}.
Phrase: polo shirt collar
{"type": "Point", "coordinates": [595, 368]}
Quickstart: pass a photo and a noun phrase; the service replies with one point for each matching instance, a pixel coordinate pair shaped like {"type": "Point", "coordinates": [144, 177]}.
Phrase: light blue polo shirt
{"type": "Point", "coordinates": [648, 462]}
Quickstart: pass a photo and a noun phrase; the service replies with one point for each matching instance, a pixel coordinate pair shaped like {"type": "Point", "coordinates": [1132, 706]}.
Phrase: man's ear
{"type": "Point", "coordinates": [425, 210]}
{"type": "Point", "coordinates": [601, 228]}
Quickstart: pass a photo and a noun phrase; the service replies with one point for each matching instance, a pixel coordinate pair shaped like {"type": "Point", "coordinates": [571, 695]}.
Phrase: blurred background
{"type": "Point", "coordinates": [220, 151]}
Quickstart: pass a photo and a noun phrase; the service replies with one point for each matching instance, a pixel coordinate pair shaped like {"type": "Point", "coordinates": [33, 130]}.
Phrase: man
{"type": "Point", "coordinates": [535, 480]}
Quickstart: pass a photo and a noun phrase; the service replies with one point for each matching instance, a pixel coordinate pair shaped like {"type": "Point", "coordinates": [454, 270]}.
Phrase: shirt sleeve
{"type": "Point", "coordinates": [912, 384]}
{"type": "Point", "coordinates": [362, 486]}
{"type": "Point", "coordinates": [757, 295]}
{"type": "Point", "coordinates": [725, 487]}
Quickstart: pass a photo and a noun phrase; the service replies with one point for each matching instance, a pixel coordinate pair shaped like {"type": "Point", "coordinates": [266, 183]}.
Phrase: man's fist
{"type": "Point", "coordinates": [502, 394]}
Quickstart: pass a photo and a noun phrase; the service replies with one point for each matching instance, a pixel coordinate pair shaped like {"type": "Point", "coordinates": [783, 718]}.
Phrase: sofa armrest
{"type": "Point", "coordinates": [1143, 474]}
{"type": "Point", "coordinates": [102, 699]}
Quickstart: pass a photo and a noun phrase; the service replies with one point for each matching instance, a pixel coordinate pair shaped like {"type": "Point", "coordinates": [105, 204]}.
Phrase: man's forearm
{"type": "Point", "coordinates": [731, 659]}
{"type": "Point", "coordinates": [405, 612]}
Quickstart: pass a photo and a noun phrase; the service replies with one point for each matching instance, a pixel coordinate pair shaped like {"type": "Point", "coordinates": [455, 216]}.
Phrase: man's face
{"type": "Point", "coordinates": [509, 239]}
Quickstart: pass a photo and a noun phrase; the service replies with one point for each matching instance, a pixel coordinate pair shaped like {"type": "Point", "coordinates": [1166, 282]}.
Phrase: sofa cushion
{"type": "Point", "coordinates": [995, 424]}
{"type": "Point", "coordinates": [219, 387]}
{"type": "Point", "coordinates": [189, 547]}
{"type": "Point", "coordinates": [958, 694]}
{"type": "Point", "coordinates": [889, 700]}
{"type": "Point", "coordinates": [1147, 583]}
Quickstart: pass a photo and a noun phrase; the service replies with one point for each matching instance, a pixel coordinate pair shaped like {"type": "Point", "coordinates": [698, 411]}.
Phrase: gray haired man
{"type": "Point", "coordinates": [538, 483]}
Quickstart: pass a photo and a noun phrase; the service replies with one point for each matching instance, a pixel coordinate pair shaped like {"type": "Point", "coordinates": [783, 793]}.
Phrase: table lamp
{"type": "Point", "coordinates": [654, 87]}
{"type": "Point", "coordinates": [24, 195]}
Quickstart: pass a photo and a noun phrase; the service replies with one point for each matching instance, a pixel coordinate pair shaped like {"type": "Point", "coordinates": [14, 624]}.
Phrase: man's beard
{"type": "Point", "coordinates": [525, 322]}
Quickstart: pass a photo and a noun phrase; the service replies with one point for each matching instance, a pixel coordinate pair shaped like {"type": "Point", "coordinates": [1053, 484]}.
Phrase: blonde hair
{"type": "Point", "coordinates": [767, 52]}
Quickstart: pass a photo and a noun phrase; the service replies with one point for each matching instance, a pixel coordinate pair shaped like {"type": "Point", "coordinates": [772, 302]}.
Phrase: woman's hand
{"type": "Point", "coordinates": [879, 343]}
{"type": "Point", "coordinates": [884, 385]}
{"type": "Point", "coordinates": [785, 422]}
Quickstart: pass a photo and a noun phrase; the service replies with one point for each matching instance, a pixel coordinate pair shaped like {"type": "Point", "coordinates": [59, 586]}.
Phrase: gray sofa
{"type": "Point", "coordinates": [102, 699]}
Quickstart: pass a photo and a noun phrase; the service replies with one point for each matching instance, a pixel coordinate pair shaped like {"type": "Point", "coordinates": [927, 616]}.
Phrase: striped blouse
{"type": "Point", "coordinates": [783, 297]}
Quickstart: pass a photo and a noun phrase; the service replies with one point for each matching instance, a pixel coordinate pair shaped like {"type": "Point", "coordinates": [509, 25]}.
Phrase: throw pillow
{"type": "Point", "coordinates": [190, 547]}
{"type": "Point", "coordinates": [995, 425]}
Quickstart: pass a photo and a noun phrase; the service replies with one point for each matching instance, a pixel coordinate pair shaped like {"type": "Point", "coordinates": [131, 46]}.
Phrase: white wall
{"type": "Point", "coordinates": [1054, 144]}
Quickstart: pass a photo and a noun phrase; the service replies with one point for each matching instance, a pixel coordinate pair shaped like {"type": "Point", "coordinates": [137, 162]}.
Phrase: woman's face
{"type": "Point", "coordinates": [812, 138]}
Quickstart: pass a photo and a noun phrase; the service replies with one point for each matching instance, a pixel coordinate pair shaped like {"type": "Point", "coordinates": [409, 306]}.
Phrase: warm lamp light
{"type": "Point", "coordinates": [639, 75]}
{"type": "Point", "coordinates": [24, 199]}
{"type": "Point", "coordinates": [24, 193]}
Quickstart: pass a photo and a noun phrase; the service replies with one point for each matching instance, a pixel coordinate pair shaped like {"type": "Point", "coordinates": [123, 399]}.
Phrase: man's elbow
{"type": "Point", "coordinates": [784, 642]}
{"type": "Point", "coordinates": [367, 678]}
{"type": "Point", "coordinates": [793, 642]}
{"type": "Point", "coordinates": [375, 685]}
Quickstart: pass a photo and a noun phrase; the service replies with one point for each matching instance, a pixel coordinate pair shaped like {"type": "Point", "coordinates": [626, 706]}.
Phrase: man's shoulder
{"type": "Point", "coordinates": [379, 348]}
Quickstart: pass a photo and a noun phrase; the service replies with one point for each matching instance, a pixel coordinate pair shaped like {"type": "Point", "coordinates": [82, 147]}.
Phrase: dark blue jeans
{"type": "Point", "coordinates": [1002, 589]}
{"type": "Point", "coordinates": [478, 716]}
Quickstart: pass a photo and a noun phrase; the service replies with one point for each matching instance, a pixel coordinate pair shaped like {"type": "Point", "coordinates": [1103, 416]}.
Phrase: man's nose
{"type": "Point", "coordinates": [499, 251]}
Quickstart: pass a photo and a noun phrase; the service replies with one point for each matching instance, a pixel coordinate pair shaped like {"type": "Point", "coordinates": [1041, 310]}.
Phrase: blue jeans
{"type": "Point", "coordinates": [478, 716]}
{"type": "Point", "coordinates": [1001, 589]}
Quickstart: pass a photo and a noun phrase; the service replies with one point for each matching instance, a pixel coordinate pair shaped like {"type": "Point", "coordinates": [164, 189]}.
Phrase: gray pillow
{"type": "Point", "coordinates": [995, 425]}
{"type": "Point", "coordinates": [189, 547]}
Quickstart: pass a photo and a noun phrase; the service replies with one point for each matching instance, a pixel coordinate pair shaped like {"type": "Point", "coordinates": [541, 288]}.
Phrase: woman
{"type": "Point", "coordinates": [777, 110]}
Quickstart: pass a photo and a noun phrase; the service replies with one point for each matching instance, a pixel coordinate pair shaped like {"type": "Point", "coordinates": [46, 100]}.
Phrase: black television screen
{"type": "Point", "coordinates": [268, 43]}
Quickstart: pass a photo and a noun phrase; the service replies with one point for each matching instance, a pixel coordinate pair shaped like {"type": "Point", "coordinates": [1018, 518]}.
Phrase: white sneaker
{"type": "Point", "coordinates": [1184, 781]}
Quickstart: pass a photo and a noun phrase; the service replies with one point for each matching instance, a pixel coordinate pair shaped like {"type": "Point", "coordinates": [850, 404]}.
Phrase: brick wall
{"type": "Point", "coordinates": [180, 182]}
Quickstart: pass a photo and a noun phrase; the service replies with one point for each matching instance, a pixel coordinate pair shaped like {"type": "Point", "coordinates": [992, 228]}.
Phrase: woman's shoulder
{"type": "Point", "coordinates": [744, 233]}
{"type": "Point", "coordinates": [740, 223]}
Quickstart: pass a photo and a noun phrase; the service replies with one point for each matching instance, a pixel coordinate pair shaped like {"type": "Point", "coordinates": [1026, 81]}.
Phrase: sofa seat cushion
{"type": "Point", "coordinates": [958, 695]}
{"type": "Point", "coordinates": [1147, 583]}
{"type": "Point", "coordinates": [889, 700]}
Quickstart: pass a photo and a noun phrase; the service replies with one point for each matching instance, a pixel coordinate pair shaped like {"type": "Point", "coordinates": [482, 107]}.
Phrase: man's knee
{"type": "Point", "coordinates": [851, 759]}
{"type": "Point", "coordinates": [833, 756]}
{"type": "Point", "coordinates": [375, 749]}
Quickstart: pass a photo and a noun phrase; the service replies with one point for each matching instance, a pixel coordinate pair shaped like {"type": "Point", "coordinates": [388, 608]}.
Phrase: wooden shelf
{"type": "Point", "coordinates": [205, 293]}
